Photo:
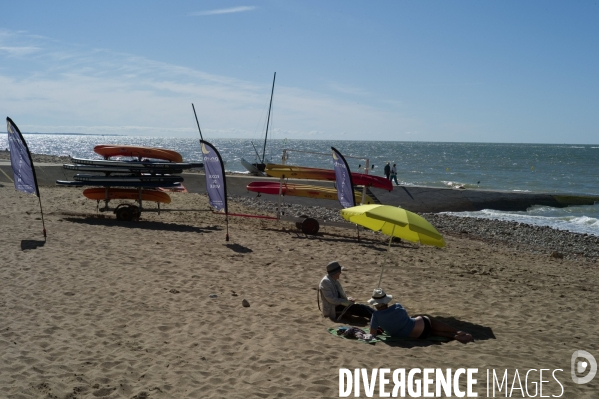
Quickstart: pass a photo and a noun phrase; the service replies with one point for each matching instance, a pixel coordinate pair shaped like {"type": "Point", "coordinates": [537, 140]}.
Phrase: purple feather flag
{"type": "Point", "coordinates": [22, 165]}
{"type": "Point", "coordinates": [20, 160]}
{"type": "Point", "coordinates": [345, 187]}
{"type": "Point", "coordinates": [216, 185]}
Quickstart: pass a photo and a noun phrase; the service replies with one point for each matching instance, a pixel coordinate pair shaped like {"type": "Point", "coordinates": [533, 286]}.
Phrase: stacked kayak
{"type": "Point", "coordinates": [103, 194]}
{"type": "Point", "coordinates": [139, 178]}
{"type": "Point", "coordinates": [108, 151]}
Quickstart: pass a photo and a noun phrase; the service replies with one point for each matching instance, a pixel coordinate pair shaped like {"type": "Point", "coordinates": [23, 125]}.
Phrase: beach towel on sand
{"type": "Point", "coordinates": [355, 333]}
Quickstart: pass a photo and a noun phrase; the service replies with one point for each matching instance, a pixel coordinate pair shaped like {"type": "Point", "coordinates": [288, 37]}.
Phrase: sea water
{"type": "Point", "coordinates": [544, 168]}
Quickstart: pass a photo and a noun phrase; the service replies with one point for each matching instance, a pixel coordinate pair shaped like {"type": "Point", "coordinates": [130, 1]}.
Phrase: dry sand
{"type": "Point", "coordinates": [123, 309]}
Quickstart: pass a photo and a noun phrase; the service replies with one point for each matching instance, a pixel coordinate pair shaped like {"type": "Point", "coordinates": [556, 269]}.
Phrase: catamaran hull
{"type": "Point", "coordinates": [253, 168]}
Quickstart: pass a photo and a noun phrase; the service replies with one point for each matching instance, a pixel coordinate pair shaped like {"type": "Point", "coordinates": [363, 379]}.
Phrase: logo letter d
{"type": "Point", "coordinates": [581, 367]}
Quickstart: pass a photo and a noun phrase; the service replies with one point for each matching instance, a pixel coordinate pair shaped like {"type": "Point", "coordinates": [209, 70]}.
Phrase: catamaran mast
{"type": "Point", "coordinates": [268, 119]}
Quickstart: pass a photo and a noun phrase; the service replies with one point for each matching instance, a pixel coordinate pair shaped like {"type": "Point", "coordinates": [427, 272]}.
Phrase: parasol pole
{"type": "Point", "coordinates": [386, 256]}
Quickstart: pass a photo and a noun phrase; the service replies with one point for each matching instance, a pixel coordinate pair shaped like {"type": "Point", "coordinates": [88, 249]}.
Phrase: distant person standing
{"type": "Point", "coordinates": [388, 170]}
{"type": "Point", "coordinates": [394, 175]}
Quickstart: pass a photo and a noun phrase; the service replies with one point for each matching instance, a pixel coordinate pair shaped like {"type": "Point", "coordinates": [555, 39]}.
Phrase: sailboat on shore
{"type": "Point", "coordinates": [257, 168]}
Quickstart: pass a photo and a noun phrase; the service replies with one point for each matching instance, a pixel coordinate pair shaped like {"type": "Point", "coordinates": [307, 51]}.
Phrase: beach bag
{"type": "Point", "coordinates": [354, 332]}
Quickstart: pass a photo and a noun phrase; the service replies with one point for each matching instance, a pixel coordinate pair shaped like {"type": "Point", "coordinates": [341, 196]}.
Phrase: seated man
{"type": "Point", "coordinates": [334, 300]}
{"type": "Point", "coordinates": [394, 320]}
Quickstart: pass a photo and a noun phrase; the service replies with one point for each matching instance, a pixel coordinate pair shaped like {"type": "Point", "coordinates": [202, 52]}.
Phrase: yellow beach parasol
{"type": "Point", "coordinates": [394, 222]}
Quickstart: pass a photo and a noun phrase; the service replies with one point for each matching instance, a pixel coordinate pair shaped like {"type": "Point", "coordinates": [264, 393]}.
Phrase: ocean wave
{"type": "Point", "coordinates": [455, 184]}
{"type": "Point", "coordinates": [585, 221]}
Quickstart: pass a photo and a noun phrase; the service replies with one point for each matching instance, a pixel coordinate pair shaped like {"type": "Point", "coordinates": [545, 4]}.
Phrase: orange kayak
{"type": "Point", "coordinates": [101, 194]}
{"type": "Point", "coordinates": [107, 151]}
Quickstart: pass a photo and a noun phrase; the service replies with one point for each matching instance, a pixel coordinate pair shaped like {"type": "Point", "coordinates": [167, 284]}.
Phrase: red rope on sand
{"type": "Point", "coordinates": [247, 216]}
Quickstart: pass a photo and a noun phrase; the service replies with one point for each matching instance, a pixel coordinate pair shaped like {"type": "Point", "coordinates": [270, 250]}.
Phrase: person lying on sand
{"type": "Point", "coordinates": [394, 321]}
{"type": "Point", "coordinates": [334, 300]}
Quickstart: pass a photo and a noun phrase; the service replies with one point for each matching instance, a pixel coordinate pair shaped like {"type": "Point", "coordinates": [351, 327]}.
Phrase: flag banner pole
{"type": "Point", "coordinates": [22, 165]}
{"type": "Point", "coordinates": [196, 115]}
{"type": "Point", "coordinates": [42, 212]}
{"type": "Point", "coordinates": [227, 224]}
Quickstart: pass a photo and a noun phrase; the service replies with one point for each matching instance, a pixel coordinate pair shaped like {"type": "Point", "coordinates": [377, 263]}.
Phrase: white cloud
{"type": "Point", "coordinates": [63, 88]}
{"type": "Point", "coordinates": [347, 89]}
{"type": "Point", "coordinates": [19, 51]}
{"type": "Point", "coordinates": [223, 11]}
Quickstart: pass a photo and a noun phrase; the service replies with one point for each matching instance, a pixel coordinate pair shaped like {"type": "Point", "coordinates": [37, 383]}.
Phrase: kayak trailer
{"type": "Point", "coordinates": [129, 212]}
{"type": "Point", "coordinates": [306, 224]}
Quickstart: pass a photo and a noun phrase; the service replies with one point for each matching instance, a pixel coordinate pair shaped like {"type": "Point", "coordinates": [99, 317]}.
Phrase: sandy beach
{"type": "Point", "coordinates": [153, 309]}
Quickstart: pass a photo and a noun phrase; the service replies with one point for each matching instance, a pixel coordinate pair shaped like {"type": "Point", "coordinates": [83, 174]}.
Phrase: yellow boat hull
{"type": "Point", "coordinates": [303, 190]}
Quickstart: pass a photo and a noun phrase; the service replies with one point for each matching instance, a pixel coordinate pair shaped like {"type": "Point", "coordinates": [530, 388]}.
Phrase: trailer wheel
{"type": "Point", "coordinates": [135, 211]}
{"type": "Point", "coordinates": [310, 226]}
{"type": "Point", "coordinates": [299, 224]}
{"type": "Point", "coordinates": [126, 212]}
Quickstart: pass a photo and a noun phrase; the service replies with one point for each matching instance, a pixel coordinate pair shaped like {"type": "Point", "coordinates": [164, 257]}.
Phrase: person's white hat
{"type": "Point", "coordinates": [379, 297]}
{"type": "Point", "coordinates": [334, 267]}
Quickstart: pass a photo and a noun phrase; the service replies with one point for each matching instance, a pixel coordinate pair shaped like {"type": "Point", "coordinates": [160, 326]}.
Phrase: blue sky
{"type": "Point", "coordinates": [474, 71]}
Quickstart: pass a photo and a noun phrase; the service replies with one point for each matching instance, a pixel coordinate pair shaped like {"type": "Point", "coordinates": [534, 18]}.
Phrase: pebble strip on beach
{"type": "Point", "coordinates": [538, 239]}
